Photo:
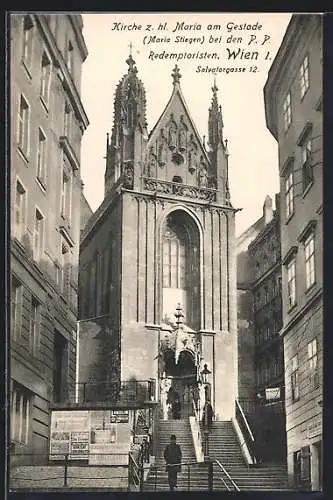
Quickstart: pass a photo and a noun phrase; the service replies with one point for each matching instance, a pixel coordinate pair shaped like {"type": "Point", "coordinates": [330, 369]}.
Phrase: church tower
{"type": "Point", "coordinates": [158, 256]}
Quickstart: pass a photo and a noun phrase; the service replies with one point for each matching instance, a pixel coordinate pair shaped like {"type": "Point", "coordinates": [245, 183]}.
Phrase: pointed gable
{"type": "Point", "coordinates": [175, 150]}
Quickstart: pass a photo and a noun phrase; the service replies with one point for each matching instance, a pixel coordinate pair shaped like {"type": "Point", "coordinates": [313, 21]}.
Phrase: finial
{"type": "Point", "coordinates": [179, 315]}
{"type": "Point", "coordinates": [130, 61]}
{"type": "Point", "coordinates": [204, 141]}
{"type": "Point", "coordinates": [176, 75]}
{"type": "Point", "coordinates": [130, 47]}
{"type": "Point", "coordinates": [214, 88]}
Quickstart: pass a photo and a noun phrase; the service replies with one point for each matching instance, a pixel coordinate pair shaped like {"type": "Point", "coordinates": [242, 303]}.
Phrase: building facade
{"type": "Point", "coordinates": [260, 348]}
{"type": "Point", "coordinates": [266, 286]}
{"type": "Point", "coordinates": [47, 124]}
{"type": "Point", "coordinates": [293, 102]}
{"type": "Point", "coordinates": [163, 236]}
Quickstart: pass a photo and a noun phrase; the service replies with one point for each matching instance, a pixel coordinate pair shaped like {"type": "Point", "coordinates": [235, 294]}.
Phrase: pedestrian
{"type": "Point", "coordinates": [173, 458]}
{"type": "Point", "coordinates": [208, 415]}
{"type": "Point", "coordinates": [176, 409]}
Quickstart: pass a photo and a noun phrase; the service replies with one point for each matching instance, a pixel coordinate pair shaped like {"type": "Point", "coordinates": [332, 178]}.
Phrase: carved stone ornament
{"type": "Point", "coordinates": [128, 176]}
{"type": "Point", "coordinates": [203, 175]}
{"type": "Point", "coordinates": [182, 135]}
{"type": "Point", "coordinates": [172, 134]}
{"type": "Point", "coordinates": [162, 150]}
{"type": "Point", "coordinates": [178, 157]}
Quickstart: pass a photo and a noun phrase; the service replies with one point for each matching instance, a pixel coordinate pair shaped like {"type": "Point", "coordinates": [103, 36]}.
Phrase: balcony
{"type": "Point", "coordinates": [128, 393]}
{"type": "Point", "coordinates": [179, 189]}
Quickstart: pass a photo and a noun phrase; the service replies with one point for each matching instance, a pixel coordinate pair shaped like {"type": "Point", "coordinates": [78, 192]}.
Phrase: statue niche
{"type": "Point", "coordinates": [193, 157]}
{"type": "Point", "coordinates": [162, 150]}
{"type": "Point", "coordinates": [182, 135]}
{"type": "Point", "coordinates": [152, 164]}
{"type": "Point", "coordinates": [172, 133]}
{"type": "Point", "coordinates": [203, 174]}
{"type": "Point", "coordinates": [128, 175]}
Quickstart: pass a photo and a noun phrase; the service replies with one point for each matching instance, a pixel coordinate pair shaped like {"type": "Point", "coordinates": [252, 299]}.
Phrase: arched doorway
{"type": "Point", "coordinates": [182, 375]}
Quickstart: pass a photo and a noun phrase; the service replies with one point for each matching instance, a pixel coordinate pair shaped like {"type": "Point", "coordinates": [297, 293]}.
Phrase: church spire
{"type": "Point", "coordinates": [129, 120]}
{"type": "Point", "coordinates": [215, 121]}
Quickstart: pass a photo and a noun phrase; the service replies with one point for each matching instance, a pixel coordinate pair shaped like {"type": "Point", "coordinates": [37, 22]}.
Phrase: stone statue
{"type": "Point", "coordinates": [173, 136]}
{"type": "Point", "coordinates": [203, 175]}
{"type": "Point", "coordinates": [165, 387]}
{"type": "Point", "coordinates": [182, 139]}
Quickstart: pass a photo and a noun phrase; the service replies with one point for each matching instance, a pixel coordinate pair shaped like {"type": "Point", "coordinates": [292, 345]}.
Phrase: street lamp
{"type": "Point", "coordinates": [204, 373]}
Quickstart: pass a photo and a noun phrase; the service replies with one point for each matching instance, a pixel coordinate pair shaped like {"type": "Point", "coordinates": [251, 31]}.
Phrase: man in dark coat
{"type": "Point", "coordinates": [176, 409]}
{"type": "Point", "coordinates": [208, 415]}
{"type": "Point", "coordinates": [173, 458]}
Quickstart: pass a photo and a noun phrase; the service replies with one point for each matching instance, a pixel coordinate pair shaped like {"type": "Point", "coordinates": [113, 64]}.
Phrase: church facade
{"type": "Point", "coordinates": [157, 258]}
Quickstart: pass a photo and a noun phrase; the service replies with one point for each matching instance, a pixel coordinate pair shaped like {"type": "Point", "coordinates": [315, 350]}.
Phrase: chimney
{"type": "Point", "coordinates": [268, 209]}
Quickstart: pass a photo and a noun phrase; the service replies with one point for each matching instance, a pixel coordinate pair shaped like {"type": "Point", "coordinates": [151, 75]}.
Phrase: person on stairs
{"type": "Point", "coordinates": [173, 458]}
{"type": "Point", "coordinates": [207, 418]}
{"type": "Point", "coordinates": [176, 408]}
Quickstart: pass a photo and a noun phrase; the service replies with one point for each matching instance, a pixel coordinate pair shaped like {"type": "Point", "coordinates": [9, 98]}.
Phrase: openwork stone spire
{"type": "Point", "coordinates": [215, 121]}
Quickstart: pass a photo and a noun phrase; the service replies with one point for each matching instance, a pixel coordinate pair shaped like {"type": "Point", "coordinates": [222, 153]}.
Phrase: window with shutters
{"type": "Point", "coordinates": [39, 230]}
{"type": "Point", "coordinates": [309, 253]}
{"type": "Point", "coordinates": [294, 379]}
{"type": "Point", "coordinates": [21, 403]}
{"type": "Point", "coordinates": [27, 43]}
{"type": "Point", "coordinates": [41, 157]}
{"type": "Point", "coordinates": [23, 133]}
{"type": "Point", "coordinates": [66, 195]}
{"type": "Point", "coordinates": [20, 210]}
{"type": "Point", "coordinates": [65, 268]}
{"type": "Point", "coordinates": [291, 282]}
{"type": "Point", "coordinates": [313, 363]}
{"type": "Point", "coordinates": [287, 111]}
{"type": "Point", "coordinates": [67, 121]}
{"type": "Point", "coordinates": [35, 325]}
{"type": "Point", "coordinates": [46, 72]}
{"type": "Point", "coordinates": [289, 194]}
{"type": "Point", "coordinates": [70, 57]}
{"type": "Point", "coordinates": [307, 168]}
{"type": "Point", "coordinates": [304, 76]}
{"type": "Point", "coordinates": [16, 308]}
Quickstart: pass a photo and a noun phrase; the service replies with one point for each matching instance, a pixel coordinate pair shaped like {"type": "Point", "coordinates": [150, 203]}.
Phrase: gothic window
{"type": "Point", "coordinates": [180, 268]}
{"type": "Point", "coordinates": [173, 261]}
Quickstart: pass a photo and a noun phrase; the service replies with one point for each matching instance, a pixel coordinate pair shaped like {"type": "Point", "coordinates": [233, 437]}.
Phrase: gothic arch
{"type": "Point", "coordinates": [189, 220]}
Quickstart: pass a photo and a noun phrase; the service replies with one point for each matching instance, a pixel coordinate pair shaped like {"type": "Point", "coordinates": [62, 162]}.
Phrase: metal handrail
{"type": "Point", "coordinates": [227, 474]}
{"type": "Point", "coordinates": [245, 420]}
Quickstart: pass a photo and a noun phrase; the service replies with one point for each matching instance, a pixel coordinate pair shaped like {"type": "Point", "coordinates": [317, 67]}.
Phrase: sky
{"type": "Point", "coordinates": [253, 160]}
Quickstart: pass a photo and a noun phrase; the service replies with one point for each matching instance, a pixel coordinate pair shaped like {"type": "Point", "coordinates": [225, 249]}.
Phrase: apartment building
{"type": "Point", "coordinates": [47, 124]}
{"type": "Point", "coordinates": [293, 103]}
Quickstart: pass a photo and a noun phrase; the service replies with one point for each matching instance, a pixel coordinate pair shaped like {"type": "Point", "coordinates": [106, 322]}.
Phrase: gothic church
{"type": "Point", "coordinates": [157, 258]}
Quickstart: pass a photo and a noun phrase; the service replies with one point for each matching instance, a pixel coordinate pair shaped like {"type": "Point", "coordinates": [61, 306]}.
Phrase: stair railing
{"type": "Point", "coordinates": [135, 471]}
{"type": "Point", "coordinates": [245, 435]}
{"type": "Point", "coordinates": [196, 434]}
{"type": "Point", "coordinates": [234, 486]}
{"type": "Point", "coordinates": [187, 464]}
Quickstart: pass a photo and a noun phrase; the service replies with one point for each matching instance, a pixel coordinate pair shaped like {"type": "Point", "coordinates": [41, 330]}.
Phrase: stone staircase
{"type": "Point", "coordinates": [193, 477]}
{"type": "Point", "coordinates": [224, 446]}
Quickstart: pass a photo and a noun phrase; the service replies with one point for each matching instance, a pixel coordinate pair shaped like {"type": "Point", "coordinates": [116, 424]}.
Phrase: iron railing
{"type": "Point", "coordinates": [113, 392]}
{"type": "Point", "coordinates": [62, 471]}
{"type": "Point", "coordinates": [246, 431]}
{"type": "Point", "coordinates": [229, 483]}
{"type": "Point", "coordinates": [136, 470]}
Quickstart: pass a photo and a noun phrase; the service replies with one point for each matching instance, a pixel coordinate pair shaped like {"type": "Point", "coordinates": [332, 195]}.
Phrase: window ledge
{"type": "Point", "coordinates": [26, 69]}
{"type": "Point", "coordinates": [289, 217]}
{"type": "Point", "coordinates": [24, 155]}
{"type": "Point", "coordinates": [44, 103]}
{"type": "Point", "coordinates": [310, 288]}
{"type": "Point", "coordinates": [291, 308]}
{"type": "Point", "coordinates": [41, 184]}
{"type": "Point", "coordinates": [307, 189]}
